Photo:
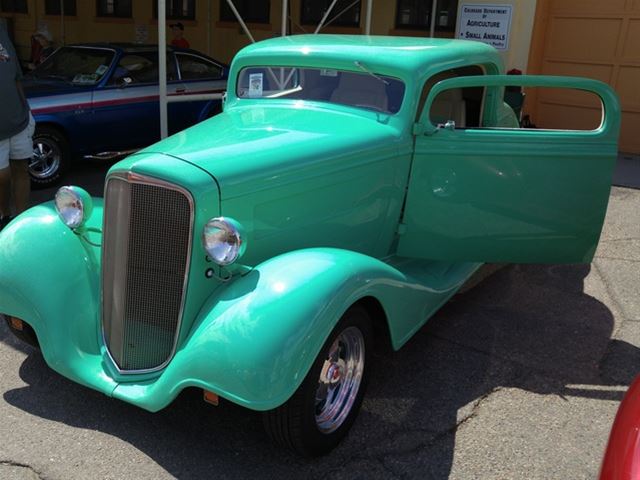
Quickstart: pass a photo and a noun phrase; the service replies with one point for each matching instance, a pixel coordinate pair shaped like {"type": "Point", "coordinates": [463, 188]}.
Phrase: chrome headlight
{"type": "Point", "coordinates": [74, 206]}
{"type": "Point", "coordinates": [222, 239]}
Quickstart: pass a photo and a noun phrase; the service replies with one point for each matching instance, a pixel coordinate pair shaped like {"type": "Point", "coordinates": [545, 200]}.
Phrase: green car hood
{"type": "Point", "coordinates": [248, 148]}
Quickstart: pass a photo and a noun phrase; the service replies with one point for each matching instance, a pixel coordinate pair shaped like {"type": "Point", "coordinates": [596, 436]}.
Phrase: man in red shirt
{"type": "Point", "coordinates": [178, 36]}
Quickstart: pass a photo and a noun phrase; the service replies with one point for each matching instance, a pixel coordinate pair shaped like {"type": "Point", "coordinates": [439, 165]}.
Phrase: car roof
{"type": "Point", "coordinates": [124, 47]}
{"type": "Point", "coordinates": [387, 53]}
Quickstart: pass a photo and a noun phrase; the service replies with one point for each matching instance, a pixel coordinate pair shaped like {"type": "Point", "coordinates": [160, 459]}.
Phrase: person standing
{"type": "Point", "coordinates": [177, 29]}
{"type": "Point", "coordinates": [16, 132]}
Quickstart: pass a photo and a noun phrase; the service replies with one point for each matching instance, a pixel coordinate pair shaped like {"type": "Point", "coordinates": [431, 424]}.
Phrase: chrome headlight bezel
{"type": "Point", "coordinates": [74, 206]}
{"type": "Point", "coordinates": [223, 240]}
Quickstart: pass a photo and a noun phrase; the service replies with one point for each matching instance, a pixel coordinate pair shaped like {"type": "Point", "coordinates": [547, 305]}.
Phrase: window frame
{"type": "Point", "coordinates": [52, 7]}
{"type": "Point", "coordinates": [100, 4]}
{"type": "Point", "coordinates": [227, 16]}
{"type": "Point", "coordinates": [172, 8]}
{"type": "Point", "coordinates": [452, 16]}
{"type": "Point", "coordinates": [17, 6]}
{"type": "Point", "coordinates": [337, 9]}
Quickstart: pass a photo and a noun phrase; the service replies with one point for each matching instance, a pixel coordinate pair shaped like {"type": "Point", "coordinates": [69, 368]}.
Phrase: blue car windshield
{"type": "Point", "coordinates": [76, 65]}
{"type": "Point", "coordinates": [363, 89]}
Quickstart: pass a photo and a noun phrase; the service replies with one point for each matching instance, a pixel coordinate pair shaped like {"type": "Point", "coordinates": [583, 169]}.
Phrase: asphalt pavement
{"type": "Point", "coordinates": [518, 377]}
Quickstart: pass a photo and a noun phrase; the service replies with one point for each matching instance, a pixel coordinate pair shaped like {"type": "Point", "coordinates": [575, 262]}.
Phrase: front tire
{"type": "Point", "coordinates": [321, 412]}
{"type": "Point", "coordinates": [51, 156]}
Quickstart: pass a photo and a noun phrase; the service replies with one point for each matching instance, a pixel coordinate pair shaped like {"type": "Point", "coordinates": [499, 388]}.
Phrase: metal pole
{"type": "Point", "coordinates": [367, 28]}
{"type": "Point", "coordinates": [434, 10]}
{"type": "Point", "coordinates": [324, 18]}
{"type": "Point", "coordinates": [162, 66]}
{"type": "Point", "coordinates": [285, 4]}
{"type": "Point", "coordinates": [209, 27]}
{"type": "Point", "coordinates": [62, 32]}
{"type": "Point", "coordinates": [240, 21]}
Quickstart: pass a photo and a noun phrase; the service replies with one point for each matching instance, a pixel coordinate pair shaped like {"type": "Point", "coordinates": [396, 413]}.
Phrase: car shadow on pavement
{"type": "Point", "coordinates": [526, 327]}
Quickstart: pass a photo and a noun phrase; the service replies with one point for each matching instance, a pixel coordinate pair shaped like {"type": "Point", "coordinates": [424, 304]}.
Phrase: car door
{"type": "Point", "coordinates": [488, 194]}
{"type": "Point", "coordinates": [127, 108]}
{"type": "Point", "coordinates": [198, 75]}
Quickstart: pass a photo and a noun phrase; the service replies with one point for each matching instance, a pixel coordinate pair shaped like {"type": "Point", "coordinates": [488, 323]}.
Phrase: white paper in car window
{"type": "Point", "coordinates": [255, 84]}
{"type": "Point", "coordinates": [101, 70]}
{"type": "Point", "coordinates": [328, 73]}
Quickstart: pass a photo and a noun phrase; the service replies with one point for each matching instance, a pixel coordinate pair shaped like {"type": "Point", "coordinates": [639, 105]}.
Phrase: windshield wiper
{"type": "Point", "coordinates": [366, 70]}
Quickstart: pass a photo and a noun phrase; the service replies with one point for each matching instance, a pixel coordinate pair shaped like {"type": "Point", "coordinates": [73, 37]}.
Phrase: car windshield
{"type": "Point", "coordinates": [364, 88]}
{"type": "Point", "coordinates": [76, 65]}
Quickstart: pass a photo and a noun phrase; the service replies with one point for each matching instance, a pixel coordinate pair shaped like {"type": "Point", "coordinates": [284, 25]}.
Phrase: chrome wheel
{"type": "Point", "coordinates": [47, 156]}
{"type": "Point", "coordinates": [339, 380]}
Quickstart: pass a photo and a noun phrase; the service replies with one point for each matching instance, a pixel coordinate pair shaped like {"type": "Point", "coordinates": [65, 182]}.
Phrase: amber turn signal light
{"type": "Point", "coordinates": [16, 324]}
{"type": "Point", "coordinates": [211, 397]}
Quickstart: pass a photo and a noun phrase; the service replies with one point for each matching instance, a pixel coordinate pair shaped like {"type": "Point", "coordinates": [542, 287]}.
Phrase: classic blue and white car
{"type": "Point", "coordinates": [101, 101]}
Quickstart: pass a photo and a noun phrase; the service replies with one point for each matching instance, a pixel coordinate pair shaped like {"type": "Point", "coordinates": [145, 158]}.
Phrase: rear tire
{"type": "Point", "coordinates": [321, 412]}
{"type": "Point", "coordinates": [51, 156]}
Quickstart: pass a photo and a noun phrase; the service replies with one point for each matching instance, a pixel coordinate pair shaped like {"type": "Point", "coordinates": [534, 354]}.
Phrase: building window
{"type": "Point", "coordinates": [114, 8]}
{"type": "Point", "coordinates": [178, 9]}
{"type": "Point", "coordinates": [13, 6]}
{"type": "Point", "coordinates": [251, 11]}
{"type": "Point", "coordinates": [345, 13]}
{"type": "Point", "coordinates": [416, 14]}
{"type": "Point", "coordinates": [52, 7]}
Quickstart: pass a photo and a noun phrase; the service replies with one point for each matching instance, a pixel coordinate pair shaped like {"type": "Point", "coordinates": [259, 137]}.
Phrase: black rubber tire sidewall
{"type": "Point", "coordinates": [311, 441]}
{"type": "Point", "coordinates": [54, 136]}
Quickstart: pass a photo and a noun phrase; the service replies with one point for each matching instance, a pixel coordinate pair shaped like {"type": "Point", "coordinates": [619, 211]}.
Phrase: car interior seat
{"type": "Point", "coordinates": [361, 90]}
{"type": "Point", "coordinates": [449, 105]}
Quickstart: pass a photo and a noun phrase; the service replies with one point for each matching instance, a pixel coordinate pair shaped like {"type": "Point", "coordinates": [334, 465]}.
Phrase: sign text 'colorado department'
{"type": "Point", "coordinates": [486, 23]}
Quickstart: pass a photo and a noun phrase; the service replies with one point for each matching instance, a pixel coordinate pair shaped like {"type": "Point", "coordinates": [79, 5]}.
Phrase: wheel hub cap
{"type": "Point", "coordinates": [340, 380]}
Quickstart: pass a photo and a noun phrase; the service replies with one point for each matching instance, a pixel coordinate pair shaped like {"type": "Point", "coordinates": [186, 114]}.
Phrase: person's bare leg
{"type": "Point", "coordinates": [21, 184]}
{"type": "Point", "coordinates": [5, 191]}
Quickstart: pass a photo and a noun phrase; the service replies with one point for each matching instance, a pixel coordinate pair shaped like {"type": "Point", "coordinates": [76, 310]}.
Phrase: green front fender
{"type": "Point", "coordinates": [256, 338]}
{"type": "Point", "coordinates": [49, 277]}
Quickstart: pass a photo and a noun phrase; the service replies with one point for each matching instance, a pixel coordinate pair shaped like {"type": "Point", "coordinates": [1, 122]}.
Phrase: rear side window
{"type": "Point", "coordinates": [141, 68]}
{"type": "Point", "coordinates": [196, 68]}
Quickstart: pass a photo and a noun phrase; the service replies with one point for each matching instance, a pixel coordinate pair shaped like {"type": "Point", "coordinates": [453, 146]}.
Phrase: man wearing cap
{"type": "Point", "coordinates": [41, 47]}
{"type": "Point", "coordinates": [16, 131]}
{"type": "Point", "coordinates": [178, 36]}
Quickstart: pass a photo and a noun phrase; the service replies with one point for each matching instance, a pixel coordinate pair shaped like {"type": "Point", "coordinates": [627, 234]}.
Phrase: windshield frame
{"type": "Point", "coordinates": [358, 70]}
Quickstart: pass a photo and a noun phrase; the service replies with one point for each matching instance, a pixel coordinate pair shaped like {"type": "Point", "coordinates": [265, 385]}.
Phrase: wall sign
{"type": "Point", "coordinates": [486, 23]}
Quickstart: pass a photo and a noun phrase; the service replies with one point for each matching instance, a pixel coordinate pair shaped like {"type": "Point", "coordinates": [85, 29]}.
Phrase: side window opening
{"type": "Point", "coordinates": [463, 106]}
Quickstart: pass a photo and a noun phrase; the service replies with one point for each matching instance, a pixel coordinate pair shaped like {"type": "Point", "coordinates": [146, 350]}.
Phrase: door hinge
{"type": "Point", "coordinates": [418, 129]}
{"type": "Point", "coordinates": [402, 228]}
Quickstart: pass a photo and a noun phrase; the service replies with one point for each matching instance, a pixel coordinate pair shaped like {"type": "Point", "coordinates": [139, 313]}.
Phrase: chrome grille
{"type": "Point", "coordinates": [146, 248]}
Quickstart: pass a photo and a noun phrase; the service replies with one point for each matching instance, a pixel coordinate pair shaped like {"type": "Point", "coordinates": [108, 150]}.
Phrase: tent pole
{"type": "Point", "coordinates": [367, 29]}
{"type": "Point", "coordinates": [162, 66]}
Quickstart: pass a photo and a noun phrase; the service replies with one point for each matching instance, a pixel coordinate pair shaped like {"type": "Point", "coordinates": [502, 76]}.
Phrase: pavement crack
{"type": "Point", "coordinates": [600, 257]}
{"type": "Point", "coordinates": [13, 464]}
{"type": "Point", "coordinates": [610, 293]}
{"type": "Point", "coordinates": [626, 239]}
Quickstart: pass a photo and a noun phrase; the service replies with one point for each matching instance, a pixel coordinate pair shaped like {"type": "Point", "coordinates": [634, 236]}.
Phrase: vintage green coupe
{"type": "Point", "coordinates": [350, 187]}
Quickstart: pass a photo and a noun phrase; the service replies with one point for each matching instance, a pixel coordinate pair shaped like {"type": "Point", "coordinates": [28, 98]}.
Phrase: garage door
{"type": "Point", "coordinates": [592, 38]}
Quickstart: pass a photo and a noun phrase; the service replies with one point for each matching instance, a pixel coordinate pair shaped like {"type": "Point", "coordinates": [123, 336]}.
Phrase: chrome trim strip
{"type": "Point", "coordinates": [109, 155]}
{"type": "Point", "coordinates": [130, 177]}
